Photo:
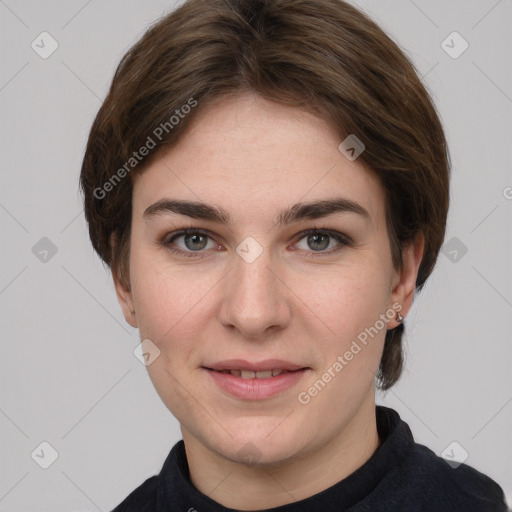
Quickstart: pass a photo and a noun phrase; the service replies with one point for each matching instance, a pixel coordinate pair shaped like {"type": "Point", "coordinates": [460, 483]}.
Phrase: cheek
{"type": "Point", "coordinates": [171, 312]}
{"type": "Point", "coordinates": [347, 304]}
{"type": "Point", "coordinates": [170, 300]}
{"type": "Point", "coordinates": [348, 299]}
{"type": "Point", "coordinates": [349, 312]}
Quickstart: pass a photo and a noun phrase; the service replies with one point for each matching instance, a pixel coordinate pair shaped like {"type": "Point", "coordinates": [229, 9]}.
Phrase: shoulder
{"type": "Point", "coordinates": [142, 499]}
{"type": "Point", "coordinates": [443, 487]}
{"type": "Point", "coordinates": [147, 496]}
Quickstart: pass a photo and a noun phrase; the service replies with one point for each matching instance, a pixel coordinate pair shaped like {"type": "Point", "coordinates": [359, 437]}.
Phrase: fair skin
{"type": "Point", "coordinates": [300, 300]}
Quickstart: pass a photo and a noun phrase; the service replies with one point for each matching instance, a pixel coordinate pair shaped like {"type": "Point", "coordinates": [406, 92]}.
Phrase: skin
{"type": "Point", "coordinates": [254, 157]}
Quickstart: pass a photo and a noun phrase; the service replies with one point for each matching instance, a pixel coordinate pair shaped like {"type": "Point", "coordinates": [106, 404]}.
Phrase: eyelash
{"type": "Point", "coordinates": [168, 243]}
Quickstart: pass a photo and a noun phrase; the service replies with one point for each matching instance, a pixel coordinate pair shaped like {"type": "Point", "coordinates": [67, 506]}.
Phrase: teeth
{"type": "Point", "coordinates": [264, 375]}
{"type": "Point", "coordinates": [248, 374]}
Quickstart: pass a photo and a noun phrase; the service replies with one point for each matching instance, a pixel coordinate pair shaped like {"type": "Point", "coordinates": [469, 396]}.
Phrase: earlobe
{"type": "Point", "coordinates": [404, 283]}
{"type": "Point", "coordinates": [124, 298]}
{"type": "Point", "coordinates": [123, 292]}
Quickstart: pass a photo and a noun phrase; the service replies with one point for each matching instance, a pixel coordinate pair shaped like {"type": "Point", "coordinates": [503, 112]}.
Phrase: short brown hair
{"type": "Point", "coordinates": [323, 56]}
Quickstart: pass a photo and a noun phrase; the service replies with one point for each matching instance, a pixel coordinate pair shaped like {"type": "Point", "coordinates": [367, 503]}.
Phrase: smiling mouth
{"type": "Point", "coordinates": [240, 380]}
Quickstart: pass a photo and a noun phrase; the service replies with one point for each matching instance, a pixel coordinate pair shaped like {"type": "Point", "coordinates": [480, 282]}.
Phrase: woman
{"type": "Point", "coordinates": [269, 183]}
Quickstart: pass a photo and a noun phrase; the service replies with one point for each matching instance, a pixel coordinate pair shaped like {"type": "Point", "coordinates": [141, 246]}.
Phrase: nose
{"type": "Point", "coordinates": [255, 298]}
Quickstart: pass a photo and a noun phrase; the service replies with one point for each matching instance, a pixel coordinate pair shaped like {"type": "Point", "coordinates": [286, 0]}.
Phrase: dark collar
{"type": "Point", "coordinates": [175, 491]}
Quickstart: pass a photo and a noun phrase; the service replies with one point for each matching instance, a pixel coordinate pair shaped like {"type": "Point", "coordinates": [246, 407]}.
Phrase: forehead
{"type": "Point", "coordinates": [252, 155]}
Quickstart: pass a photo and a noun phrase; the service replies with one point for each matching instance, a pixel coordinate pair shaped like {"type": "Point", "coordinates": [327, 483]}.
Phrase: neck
{"type": "Point", "coordinates": [302, 476]}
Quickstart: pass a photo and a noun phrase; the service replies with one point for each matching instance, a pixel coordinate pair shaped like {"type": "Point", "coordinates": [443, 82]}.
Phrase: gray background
{"type": "Point", "coordinates": [68, 373]}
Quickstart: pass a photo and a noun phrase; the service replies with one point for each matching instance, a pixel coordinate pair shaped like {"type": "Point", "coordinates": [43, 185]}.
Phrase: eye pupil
{"type": "Point", "coordinates": [314, 239]}
{"type": "Point", "coordinates": [195, 239]}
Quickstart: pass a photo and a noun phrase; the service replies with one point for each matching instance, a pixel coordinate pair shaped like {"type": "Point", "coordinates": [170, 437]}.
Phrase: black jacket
{"type": "Point", "coordinates": [401, 475]}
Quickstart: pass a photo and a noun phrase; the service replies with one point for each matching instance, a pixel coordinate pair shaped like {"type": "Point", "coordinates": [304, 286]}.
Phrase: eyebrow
{"type": "Point", "coordinates": [295, 213]}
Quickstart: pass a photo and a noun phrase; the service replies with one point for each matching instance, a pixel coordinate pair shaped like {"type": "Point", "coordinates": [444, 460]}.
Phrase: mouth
{"type": "Point", "coordinates": [255, 381]}
{"type": "Point", "coordinates": [249, 374]}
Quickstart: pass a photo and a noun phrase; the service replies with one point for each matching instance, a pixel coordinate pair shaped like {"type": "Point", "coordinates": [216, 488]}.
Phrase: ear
{"type": "Point", "coordinates": [123, 291]}
{"type": "Point", "coordinates": [404, 281]}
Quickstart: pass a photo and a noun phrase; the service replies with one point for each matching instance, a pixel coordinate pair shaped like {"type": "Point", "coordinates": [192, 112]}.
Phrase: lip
{"type": "Point", "coordinates": [261, 366]}
{"type": "Point", "coordinates": [256, 389]}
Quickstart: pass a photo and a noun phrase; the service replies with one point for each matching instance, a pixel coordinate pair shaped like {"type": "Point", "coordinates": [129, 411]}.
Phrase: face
{"type": "Point", "coordinates": [265, 277]}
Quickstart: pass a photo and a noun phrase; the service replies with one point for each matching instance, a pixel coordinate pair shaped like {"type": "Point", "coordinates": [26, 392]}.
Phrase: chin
{"type": "Point", "coordinates": [264, 447]}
